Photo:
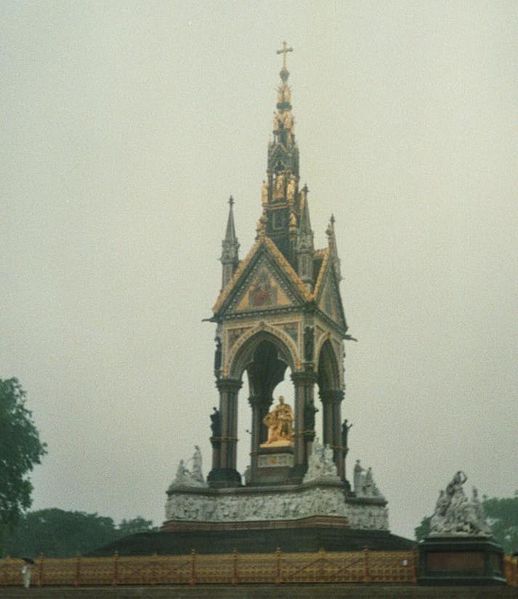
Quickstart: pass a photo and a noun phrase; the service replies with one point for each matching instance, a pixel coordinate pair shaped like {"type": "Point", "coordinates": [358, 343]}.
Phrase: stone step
{"type": "Point", "coordinates": [310, 591]}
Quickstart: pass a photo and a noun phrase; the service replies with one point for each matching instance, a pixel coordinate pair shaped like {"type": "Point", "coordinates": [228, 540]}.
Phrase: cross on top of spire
{"type": "Point", "coordinates": [284, 50]}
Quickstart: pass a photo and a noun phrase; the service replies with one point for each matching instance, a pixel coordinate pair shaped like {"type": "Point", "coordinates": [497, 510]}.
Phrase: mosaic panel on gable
{"type": "Point", "coordinates": [265, 291]}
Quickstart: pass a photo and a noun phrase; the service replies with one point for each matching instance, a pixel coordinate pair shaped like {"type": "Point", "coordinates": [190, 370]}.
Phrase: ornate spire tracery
{"type": "Point", "coordinates": [230, 247]}
{"type": "Point", "coordinates": [280, 191]}
{"type": "Point", "coordinates": [333, 250]}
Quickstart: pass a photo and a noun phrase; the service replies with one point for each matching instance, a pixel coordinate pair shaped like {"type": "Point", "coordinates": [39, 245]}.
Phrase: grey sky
{"type": "Point", "coordinates": [126, 125]}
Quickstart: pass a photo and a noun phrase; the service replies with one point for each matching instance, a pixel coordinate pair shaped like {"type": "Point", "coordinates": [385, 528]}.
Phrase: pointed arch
{"type": "Point", "coordinates": [242, 352]}
{"type": "Point", "coordinates": [328, 368]}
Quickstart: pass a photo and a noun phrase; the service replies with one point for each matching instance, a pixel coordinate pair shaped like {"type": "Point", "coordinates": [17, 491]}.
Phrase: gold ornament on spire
{"type": "Point", "coordinates": [293, 220]}
{"type": "Point", "coordinates": [264, 193]}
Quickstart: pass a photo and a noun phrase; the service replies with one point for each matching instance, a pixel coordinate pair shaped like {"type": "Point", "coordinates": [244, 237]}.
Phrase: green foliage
{"type": "Point", "coordinates": [423, 529]}
{"type": "Point", "coordinates": [20, 450]}
{"type": "Point", "coordinates": [133, 526]}
{"type": "Point", "coordinates": [58, 533]}
{"type": "Point", "coordinates": [502, 515]}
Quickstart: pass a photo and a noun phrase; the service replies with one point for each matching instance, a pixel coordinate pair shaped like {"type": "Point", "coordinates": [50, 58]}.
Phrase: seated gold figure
{"type": "Point", "coordinates": [280, 425]}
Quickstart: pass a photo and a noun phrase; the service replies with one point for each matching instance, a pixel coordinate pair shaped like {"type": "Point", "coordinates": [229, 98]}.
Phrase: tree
{"type": "Point", "coordinates": [59, 533]}
{"type": "Point", "coordinates": [20, 450]}
{"type": "Point", "coordinates": [135, 525]}
{"type": "Point", "coordinates": [502, 516]}
{"type": "Point", "coordinates": [423, 529]}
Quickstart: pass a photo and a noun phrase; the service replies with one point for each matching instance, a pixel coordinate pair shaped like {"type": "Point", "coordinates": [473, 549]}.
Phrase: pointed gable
{"type": "Point", "coordinates": [264, 280]}
{"type": "Point", "coordinates": [327, 292]}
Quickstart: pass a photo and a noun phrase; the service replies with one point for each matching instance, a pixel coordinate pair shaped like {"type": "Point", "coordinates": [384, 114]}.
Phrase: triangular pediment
{"type": "Point", "coordinates": [264, 281]}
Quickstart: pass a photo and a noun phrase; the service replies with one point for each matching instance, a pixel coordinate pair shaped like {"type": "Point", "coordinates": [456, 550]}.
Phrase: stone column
{"type": "Point", "coordinates": [332, 408]}
{"type": "Point", "coordinates": [255, 403]}
{"type": "Point", "coordinates": [304, 389]}
{"type": "Point", "coordinates": [226, 474]}
{"type": "Point", "coordinates": [260, 405]}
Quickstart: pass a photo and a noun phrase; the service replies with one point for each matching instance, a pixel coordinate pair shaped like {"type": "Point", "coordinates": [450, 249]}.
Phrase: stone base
{"type": "Point", "coordinates": [312, 522]}
{"type": "Point", "coordinates": [224, 478]}
{"type": "Point", "coordinates": [322, 497]}
{"type": "Point", "coordinates": [460, 561]}
{"type": "Point", "coordinates": [305, 538]}
{"type": "Point", "coordinates": [274, 464]}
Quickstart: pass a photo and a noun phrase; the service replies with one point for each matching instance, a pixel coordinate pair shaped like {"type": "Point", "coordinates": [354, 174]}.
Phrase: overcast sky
{"type": "Point", "coordinates": [125, 127]}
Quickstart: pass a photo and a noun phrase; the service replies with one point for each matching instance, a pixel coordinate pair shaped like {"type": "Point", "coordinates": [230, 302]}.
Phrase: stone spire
{"type": "Point", "coordinates": [305, 246]}
{"type": "Point", "coordinates": [229, 255]}
{"type": "Point", "coordinates": [333, 250]}
{"type": "Point", "coordinates": [280, 194]}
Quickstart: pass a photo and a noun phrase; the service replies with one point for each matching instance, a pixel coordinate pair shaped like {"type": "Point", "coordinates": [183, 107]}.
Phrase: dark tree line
{"type": "Point", "coordinates": [58, 533]}
{"type": "Point", "coordinates": [53, 532]}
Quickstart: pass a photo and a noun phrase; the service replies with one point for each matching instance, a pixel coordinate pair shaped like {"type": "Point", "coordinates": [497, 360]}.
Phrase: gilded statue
{"type": "Point", "coordinates": [280, 425]}
{"type": "Point", "coordinates": [279, 186]}
{"type": "Point", "coordinates": [264, 193]}
{"type": "Point", "coordinates": [288, 120]}
{"type": "Point", "coordinates": [276, 121]}
{"type": "Point", "coordinates": [292, 188]}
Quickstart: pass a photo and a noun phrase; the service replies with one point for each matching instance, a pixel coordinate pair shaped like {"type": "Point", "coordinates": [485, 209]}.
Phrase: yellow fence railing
{"type": "Point", "coordinates": [511, 570]}
{"type": "Point", "coordinates": [234, 568]}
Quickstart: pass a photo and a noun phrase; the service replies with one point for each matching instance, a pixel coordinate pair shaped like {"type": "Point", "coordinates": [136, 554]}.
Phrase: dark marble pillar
{"type": "Point", "coordinates": [226, 474]}
{"type": "Point", "coordinates": [332, 408]}
{"type": "Point", "coordinates": [304, 383]}
{"type": "Point", "coordinates": [259, 405]}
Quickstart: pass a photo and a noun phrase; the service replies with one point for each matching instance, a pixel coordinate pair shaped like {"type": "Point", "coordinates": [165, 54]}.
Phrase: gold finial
{"type": "Point", "coordinates": [293, 220]}
{"type": "Point", "coordinates": [284, 50]}
{"type": "Point", "coordinates": [261, 227]}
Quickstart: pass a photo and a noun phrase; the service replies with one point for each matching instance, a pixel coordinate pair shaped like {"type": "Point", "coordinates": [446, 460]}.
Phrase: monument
{"type": "Point", "coordinates": [280, 310]}
{"type": "Point", "coordinates": [459, 548]}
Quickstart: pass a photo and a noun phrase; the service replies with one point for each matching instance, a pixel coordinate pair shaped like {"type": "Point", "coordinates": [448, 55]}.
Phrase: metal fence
{"type": "Point", "coordinates": [511, 570]}
{"type": "Point", "coordinates": [234, 568]}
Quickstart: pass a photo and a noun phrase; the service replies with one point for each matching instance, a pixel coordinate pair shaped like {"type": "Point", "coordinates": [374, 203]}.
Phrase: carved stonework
{"type": "Point", "coordinates": [321, 466]}
{"type": "Point", "coordinates": [274, 331]}
{"type": "Point", "coordinates": [309, 500]}
{"type": "Point", "coordinates": [292, 329]}
{"type": "Point", "coordinates": [186, 478]}
{"type": "Point", "coordinates": [234, 334]}
{"type": "Point", "coordinates": [364, 485]}
{"type": "Point", "coordinates": [456, 515]}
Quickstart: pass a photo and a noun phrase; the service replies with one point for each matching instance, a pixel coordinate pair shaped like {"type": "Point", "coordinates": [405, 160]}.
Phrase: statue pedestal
{"type": "Point", "coordinates": [274, 463]}
{"type": "Point", "coordinates": [460, 560]}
